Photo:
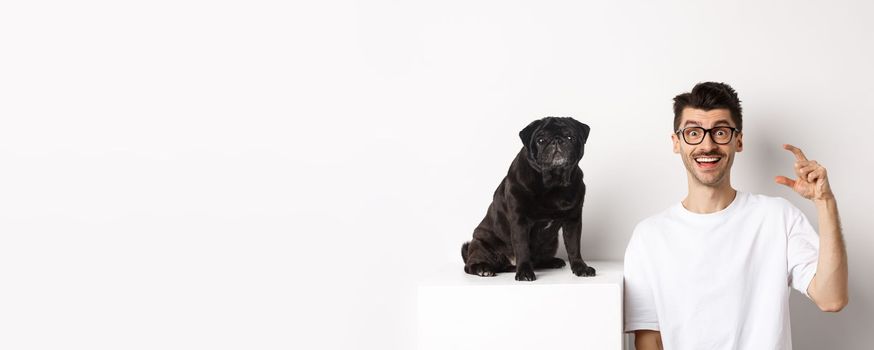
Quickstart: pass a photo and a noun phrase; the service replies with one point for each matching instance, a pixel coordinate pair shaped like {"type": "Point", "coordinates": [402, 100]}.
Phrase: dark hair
{"type": "Point", "coordinates": [708, 96]}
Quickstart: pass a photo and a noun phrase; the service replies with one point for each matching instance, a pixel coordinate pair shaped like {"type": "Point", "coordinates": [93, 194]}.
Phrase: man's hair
{"type": "Point", "coordinates": [707, 96]}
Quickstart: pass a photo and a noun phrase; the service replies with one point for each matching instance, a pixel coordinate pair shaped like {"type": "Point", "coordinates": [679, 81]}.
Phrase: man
{"type": "Point", "coordinates": [714, 271]}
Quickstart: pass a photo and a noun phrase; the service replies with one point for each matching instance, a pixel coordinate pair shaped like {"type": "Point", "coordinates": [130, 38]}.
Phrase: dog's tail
{"type": "Point", "coordinates": [464, 251]}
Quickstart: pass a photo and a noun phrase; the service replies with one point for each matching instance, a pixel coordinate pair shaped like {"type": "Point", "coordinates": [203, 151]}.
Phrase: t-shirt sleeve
{"type": "Point", "coordinates": [640, 310]}
{"type": "Point", "coordinates": [802, 251]}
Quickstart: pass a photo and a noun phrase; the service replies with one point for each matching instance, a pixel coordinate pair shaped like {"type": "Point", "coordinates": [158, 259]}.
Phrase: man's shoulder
{"type": "Point", "coordinates": [766, 202]}
{"type": "Point", "coordinates": [649, 230]}
{"type": "Point", "coordinates": [655, 221]}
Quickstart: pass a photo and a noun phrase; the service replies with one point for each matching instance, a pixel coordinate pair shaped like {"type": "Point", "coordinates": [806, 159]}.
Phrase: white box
{"type": "Point", "coordinates": [557, 311]}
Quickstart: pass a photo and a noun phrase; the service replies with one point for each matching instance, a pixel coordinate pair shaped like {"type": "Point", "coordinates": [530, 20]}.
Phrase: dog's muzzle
{"type": "Point", "coordinates": [554, 156]}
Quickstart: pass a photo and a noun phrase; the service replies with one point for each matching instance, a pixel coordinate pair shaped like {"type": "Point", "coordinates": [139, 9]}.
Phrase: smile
{"type": "Point", "coordinates": [707, 162]}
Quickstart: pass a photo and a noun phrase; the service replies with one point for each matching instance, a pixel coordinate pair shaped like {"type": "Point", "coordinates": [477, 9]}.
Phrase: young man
{"type": "Point", "coordinates": [714, 271]}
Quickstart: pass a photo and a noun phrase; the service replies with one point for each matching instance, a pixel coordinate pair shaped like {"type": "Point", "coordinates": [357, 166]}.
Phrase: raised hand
{"type": "Point", "coordinates": [812, 182]}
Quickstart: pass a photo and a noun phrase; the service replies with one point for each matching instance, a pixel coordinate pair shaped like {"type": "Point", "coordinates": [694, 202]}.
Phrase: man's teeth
{"type": "Point", "coordinates": [707, 160]}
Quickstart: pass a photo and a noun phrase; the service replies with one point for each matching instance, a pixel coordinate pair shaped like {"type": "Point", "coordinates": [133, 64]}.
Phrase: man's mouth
{"type": "Point", "coordinates": [707, 162]}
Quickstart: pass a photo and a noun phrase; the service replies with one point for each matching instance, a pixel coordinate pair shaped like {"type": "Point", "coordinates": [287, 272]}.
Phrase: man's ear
{"type": "Point", "coordinates": [676, 141]}
{"type": "Point", "coordinates": [529, 130]}
{"type": "Point", "coordinates": [740, 141]}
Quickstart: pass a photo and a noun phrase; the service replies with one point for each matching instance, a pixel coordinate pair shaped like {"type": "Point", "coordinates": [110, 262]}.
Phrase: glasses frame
{"type": "Point", "coordinates": [682, 135]}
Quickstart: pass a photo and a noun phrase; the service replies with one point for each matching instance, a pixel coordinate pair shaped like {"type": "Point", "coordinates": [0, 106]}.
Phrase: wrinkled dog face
{"type": "Point", "coordinates": [555, 147]}
{"type": "Point", "coordinates": [555, 142]}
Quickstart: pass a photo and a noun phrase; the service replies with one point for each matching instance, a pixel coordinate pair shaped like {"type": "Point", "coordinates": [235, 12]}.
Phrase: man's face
{"type": "Point", "coordinates": [708, 163]}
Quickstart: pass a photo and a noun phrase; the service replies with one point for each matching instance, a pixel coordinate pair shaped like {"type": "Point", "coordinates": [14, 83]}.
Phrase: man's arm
{"type": "Point", "coordinates": [828, 288]}
{"type": "Point", "coordinates": [647, 340]}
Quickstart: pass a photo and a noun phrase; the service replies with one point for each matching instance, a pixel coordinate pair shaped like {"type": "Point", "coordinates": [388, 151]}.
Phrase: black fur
{"type": "Point", "coordinates": [542, 192]}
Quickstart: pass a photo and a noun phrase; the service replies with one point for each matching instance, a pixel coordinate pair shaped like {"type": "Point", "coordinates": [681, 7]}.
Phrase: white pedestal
{"type": "Point", "coordinates": [557, 311]}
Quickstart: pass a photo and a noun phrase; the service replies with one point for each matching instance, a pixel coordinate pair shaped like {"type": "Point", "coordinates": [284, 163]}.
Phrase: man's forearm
{"type": "Point", "coordinates": [647, 340]}
{"type": "Point", "coordinates": [828, 289]}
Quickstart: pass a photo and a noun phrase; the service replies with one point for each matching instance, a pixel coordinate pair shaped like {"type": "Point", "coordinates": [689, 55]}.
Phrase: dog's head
{"type": "Point", "coordinates": [555, 144]}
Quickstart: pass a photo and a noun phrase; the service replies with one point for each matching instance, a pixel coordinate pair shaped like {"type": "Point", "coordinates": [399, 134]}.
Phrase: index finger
{"type": "Point", "coordinates": [797, 151]}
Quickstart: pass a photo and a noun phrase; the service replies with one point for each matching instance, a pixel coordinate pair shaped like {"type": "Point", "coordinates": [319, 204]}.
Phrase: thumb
{"type": "Point", "coordinates": [785, 181]}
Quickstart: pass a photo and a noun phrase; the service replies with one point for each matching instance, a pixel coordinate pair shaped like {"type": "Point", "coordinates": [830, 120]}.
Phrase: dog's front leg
{"type": "Point", "coordinates": [520, 235]}
{"type": "Point", "coordinates": [571, 232]}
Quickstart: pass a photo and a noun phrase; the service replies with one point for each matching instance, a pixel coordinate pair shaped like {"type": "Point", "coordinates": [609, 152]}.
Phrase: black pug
{"type": "Point", "coordinates": [542, 192]}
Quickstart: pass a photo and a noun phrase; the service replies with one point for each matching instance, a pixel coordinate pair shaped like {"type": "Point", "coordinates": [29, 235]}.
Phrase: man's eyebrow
{"type": "Point", "coordinates": [696, 123]}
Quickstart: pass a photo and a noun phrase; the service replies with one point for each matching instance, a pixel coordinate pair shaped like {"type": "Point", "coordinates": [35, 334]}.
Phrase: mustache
{"type": "Point", "coordinates": [708, 154]}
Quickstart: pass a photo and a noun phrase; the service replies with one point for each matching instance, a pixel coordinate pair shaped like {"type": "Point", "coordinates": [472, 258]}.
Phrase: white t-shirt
{"type": "Point", "coordinates": [719, 280]}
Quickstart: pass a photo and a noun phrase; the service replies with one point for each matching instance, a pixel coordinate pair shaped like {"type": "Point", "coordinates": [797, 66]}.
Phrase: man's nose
{"type": "Point", "coordinates": [707, 142]}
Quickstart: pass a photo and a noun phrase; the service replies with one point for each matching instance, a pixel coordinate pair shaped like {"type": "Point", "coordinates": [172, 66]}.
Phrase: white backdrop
{"type": "Point", "coordinates": [272, 175]}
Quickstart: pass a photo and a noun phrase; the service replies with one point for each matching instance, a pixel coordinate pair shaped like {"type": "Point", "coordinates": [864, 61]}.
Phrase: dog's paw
{"type": "Point", "coordinates": [581, 269]}
{"type": "Point", "coordinates": [481, 270]}
{"type": "Point", "coordinates": [525, 273]}
{"type": "Point", "coordinates": [553, 263]}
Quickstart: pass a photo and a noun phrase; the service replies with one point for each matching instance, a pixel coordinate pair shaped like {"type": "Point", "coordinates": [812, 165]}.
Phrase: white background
{"type": "Point", "coordinates": [275, 175]}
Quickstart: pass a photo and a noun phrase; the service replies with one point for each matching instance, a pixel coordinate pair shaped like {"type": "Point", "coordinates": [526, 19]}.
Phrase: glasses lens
{"type": "Point", "coordinates": [693, 135]}
{"type": "Point", "coordinates": [721, 135]}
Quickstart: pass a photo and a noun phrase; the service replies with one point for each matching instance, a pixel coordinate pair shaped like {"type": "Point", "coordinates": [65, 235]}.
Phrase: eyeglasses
{"type": "Point", "coordinates": [720, 135]}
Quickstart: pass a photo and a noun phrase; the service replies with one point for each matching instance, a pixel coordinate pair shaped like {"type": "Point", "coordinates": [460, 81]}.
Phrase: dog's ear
{"type": "Point", "coordinates": [581, 129]}
{"type": "Point", "coordinates": [529, 130]}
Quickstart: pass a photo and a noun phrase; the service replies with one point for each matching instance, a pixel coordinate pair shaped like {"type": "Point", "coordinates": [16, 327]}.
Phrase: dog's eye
{"type": "Point", "coordinates": [539, 140]}
{"type": "Point", "coordinates": [570, 138]}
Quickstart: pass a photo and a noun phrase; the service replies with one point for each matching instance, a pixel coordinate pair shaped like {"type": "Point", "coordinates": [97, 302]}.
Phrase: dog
{"type": "Point", "coordinates": [542, 192]}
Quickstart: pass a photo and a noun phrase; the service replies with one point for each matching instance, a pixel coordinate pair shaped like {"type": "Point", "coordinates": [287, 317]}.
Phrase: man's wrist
{"type": "Point", "coordinates": [824, 200]}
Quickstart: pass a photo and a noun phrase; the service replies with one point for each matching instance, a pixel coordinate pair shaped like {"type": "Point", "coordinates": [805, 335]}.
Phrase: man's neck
{"type": "Point", "coordinates": [705, 199]}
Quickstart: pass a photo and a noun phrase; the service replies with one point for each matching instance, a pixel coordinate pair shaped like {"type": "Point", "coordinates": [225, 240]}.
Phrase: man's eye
{"type": "Point", "coordinates": [720, 133]}
{"type": "Point", "coordinates": [693, 133]}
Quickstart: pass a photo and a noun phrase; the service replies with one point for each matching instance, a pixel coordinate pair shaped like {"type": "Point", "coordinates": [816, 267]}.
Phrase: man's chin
{"type": "Point", "coordinates": [706, 177]}
{"type": "Point", "coordinates": [710, 180]}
